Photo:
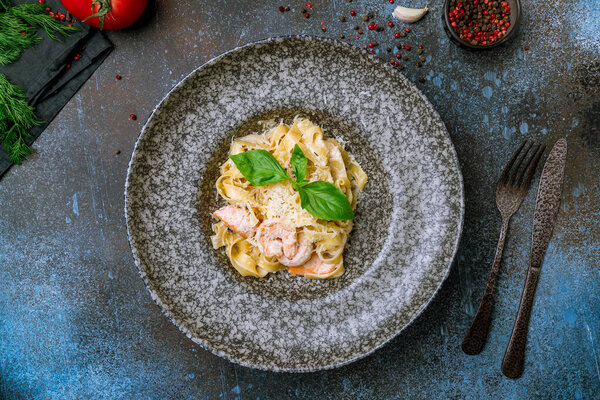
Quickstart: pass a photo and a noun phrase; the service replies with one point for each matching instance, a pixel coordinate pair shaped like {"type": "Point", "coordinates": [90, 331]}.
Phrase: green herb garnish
{"type": "Point", "coordinates": [18, 32]}
{"type": "Point", "coordinates": [321, 199]}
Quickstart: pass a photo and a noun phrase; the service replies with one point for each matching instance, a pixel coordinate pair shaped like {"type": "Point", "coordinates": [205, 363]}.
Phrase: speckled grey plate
{"type": "Point", "coordinates": [408, 220]}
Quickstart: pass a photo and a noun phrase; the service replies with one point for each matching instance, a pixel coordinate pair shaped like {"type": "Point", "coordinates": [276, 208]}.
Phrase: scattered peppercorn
{"type": "Point", "coordinates": [356, 27]}
{"type": "Point", "coordinates": [388, 49]}
{"type": "Point", "coordinates": [402, 34]}
{"type": "Point", "coordinates": [420, 51]}
{"type": "Point", "coordinates": [401, 67]}
{"type": "Point", "coordinates": [405, 58]}
{"type": "Point", "coordinates": [422, 59]}
{"type": "Point", "coordinates": [117, 151]}
{"type": "Point", "coordinates": [421, 79]}
{"type": "Point", "coordinates": [419, 64]}
{"type": "Point", "coordinates": [287, 8]}
{"type": "Point", "coordinates": [342, 36]}
{"type": "Point", "coordinates": [342, 18]}
{"type": "Point", "coordinates": [360, 32]}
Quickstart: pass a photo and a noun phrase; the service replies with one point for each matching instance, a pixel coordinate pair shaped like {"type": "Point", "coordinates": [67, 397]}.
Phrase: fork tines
{"type": "Point", "coordinates": [519, 173]}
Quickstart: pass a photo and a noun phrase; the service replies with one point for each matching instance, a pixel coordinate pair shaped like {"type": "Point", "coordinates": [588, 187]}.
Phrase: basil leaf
{"type": "Point", "coordinates": [326, 201]}
{"type": "Point", "coordinates": [298, 163]}
{"type": "Point", "coordinates": [259, 167]}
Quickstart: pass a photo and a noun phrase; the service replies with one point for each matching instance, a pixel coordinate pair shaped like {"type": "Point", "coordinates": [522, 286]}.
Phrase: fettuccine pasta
{"type": "Point", "coordinates": [264, 229]}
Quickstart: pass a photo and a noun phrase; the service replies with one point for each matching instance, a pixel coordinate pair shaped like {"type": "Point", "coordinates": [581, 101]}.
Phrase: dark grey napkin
{"type": "Point", "coordinates": [43, 74]}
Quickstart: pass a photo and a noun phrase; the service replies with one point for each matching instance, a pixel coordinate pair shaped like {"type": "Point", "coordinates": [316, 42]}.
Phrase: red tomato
{"type": "Point", "coordinates": [119, 14]}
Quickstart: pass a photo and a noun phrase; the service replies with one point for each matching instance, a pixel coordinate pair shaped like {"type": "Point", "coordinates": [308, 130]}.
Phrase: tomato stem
{"type": "Point", "coordinates": [103, 9]}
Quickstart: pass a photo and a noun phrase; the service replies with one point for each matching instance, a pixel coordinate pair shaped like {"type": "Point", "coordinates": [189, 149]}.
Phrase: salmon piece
{"type": "Point", "coordinates": [275, 239]}
{"type": "Point", "coordinates": [314, 266]}
{"type": "Point", "coordinates": [238, 219]}
{"type": "Point", "coordinates": [303, 252]}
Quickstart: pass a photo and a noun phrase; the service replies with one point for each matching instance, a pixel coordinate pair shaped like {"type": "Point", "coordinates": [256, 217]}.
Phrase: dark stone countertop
{"type": "Point", "coordinates": [77, 322]}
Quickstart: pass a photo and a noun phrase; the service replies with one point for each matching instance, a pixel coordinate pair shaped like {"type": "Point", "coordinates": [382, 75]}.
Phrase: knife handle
{"type": "Point", "coordinates": [512, 365]}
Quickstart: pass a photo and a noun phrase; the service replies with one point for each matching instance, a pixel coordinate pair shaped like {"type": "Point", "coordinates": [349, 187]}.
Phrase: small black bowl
{"type": "Point", "coordinates": [515, 19]}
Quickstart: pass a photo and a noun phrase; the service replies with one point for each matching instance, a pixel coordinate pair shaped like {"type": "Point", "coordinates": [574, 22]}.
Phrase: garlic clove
{"type": "Point", "coordinates": [409, 15]}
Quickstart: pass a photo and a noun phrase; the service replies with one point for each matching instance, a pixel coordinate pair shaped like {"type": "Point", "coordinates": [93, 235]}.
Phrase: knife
{"type": "Point", "coordinates": [546, 208]}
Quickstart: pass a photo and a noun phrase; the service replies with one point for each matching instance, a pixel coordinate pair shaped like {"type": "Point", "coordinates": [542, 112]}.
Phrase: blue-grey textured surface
{"type": "Point", "coordinates": [77, 322]}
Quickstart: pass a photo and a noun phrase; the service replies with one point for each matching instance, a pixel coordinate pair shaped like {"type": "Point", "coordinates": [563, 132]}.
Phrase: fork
{"type": "Point", "coordinates": [510, 191]}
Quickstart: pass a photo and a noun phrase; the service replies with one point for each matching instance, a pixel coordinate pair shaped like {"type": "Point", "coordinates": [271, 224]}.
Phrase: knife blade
{"type": "Point", "coordinates": [546, 208]}
{"type": "Point", "coordinates": [547, 202]}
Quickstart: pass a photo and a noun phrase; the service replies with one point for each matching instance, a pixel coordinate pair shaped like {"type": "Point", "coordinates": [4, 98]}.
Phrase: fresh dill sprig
{"type": "Point", "coordinates": [19, 25]}
{"type": "Point", "coordinates": [16, 118]}
{"type": "Point", "coordinates": [18, 32]}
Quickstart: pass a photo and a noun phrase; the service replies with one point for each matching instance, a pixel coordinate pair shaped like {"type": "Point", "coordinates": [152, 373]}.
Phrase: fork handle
{"type": "Point", "coordinates": [474, 341]}
{"type": "Point", "coordinates": [512, 365]}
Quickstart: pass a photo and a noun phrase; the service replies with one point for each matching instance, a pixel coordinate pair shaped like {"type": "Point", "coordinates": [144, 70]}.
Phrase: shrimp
{"type": "Point", "coordinates": [276, 239]}
{"type": "Point", "coordinates": [239, 220]}
{"type": "Point", "coordinates": [304, 250]}
{"type": "Point", "coordinates": [315, 266]}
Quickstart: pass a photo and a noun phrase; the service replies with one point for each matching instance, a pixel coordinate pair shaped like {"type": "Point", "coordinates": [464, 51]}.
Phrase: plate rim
{"type": "Point", "coordinates": [265, 367]}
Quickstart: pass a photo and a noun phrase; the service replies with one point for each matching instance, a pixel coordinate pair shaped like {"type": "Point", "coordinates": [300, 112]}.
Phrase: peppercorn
{"type": "Point", "coordinates": [342, 18]}
{"type": "Point", "coordinates": [117, 151]}
{"type": "Point", "coordinates": [401, 67]}
{"type": "Point", "coordinates": [422, 59]}
{"type": "Point", "coordinates": [419, 64]}
{"type": "Point", "coordinates": [388, 50]}
{"type": "Point", "coordinates": [405, 58]}
{"type": "Point", "coordinates": [420, 51]}
{"type": "Point", "coordinates": [421, 79]}
{"type": "Point", "coordinates": [342, 36]}
{"type": "Point", "coordinates": [402, 34]}
{"type": "Point", "coordinates": [360, 32]}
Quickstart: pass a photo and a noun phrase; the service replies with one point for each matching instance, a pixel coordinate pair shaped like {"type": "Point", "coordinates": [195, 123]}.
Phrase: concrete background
{"type": "Point", "coordinates": [76, 321]}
